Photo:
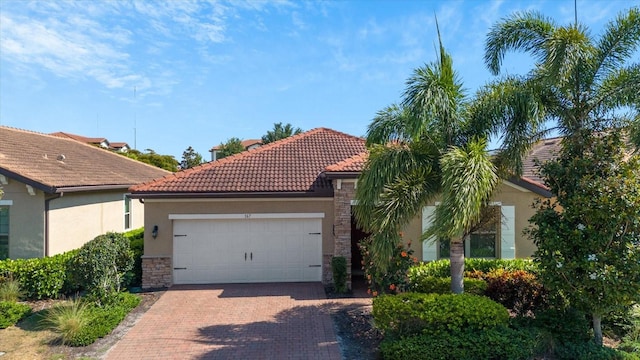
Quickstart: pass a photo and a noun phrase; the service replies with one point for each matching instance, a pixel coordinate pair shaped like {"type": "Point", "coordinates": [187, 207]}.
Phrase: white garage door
{"type": "Point", "coordinates": [247, 249]}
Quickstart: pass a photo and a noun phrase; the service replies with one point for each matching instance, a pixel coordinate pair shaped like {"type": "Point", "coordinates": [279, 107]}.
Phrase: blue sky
{"type": "Point", "coordinates": [204, 72]}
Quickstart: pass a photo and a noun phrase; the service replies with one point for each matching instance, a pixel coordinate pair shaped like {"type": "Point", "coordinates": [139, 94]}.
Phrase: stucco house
{"type": "Point", "coordinates": [97, 141]}
{"type": "Point", "coordinates": [281, 211]}
{"type": "Point", "coordinates": [247, 144]}
{"type": "Point", "coordinates": [60, 193]}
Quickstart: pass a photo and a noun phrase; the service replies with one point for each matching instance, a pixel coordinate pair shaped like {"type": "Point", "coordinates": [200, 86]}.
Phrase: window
{"type": "Point", "coordinates": [127, 212]}
{"type": "Point", "coordinates": [483, 240]}
{"type": "Point", "coordinates": [4, 232]}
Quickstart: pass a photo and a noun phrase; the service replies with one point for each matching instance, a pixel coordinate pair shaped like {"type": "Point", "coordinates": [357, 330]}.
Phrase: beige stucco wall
{"type": "Point", "coordinates": [76, 218]}
{"type": "Point", "coordinates": [26, 220]}
{"type": "Point", "coordinates": [507, 195]}
{"type": "Point", "coordinates": [157, 213]}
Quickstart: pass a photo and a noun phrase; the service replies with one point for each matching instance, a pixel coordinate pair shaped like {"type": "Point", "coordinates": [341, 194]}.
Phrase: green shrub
{"type": "Point", "coordinates": [12, 312]}
{"type": "Point", "coordinates": [631, 340]}
{"type": "Point", "coordinates": [104, 318]}
{"type": "Point", "coordinates": [392, 279]}
{"type": "Point", "coordinates": [442, 268]}
{"type": "Point", "coordinates": [519, 291]}
{"type": "Point", "coordinates": [339, 270]}
{"type": "Point", "coordinates": [438, 285]}
{"type": "Point", "coordinates": [133, 278]}
{"type": "Point", "coordinates": [101, 264]}
{"type": "Point", "coordinates": [500, 343]}
{"type": "Point", "coordinates": [589, 351]}
{"type": "Point", "coordinates": [40, 278]}
{"type": "Point", "coordinates": [10, 290]}
{"type": "Point", "coordinates": [69, 319]}
{"type": "Point", "coordinates": [413, 313]}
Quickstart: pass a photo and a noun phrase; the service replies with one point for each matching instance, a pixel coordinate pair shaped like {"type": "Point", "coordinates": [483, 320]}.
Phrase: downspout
{"type": "Point", "coordinates": [46, 222]}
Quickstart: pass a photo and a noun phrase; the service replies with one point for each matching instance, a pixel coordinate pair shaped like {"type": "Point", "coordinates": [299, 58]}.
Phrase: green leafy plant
{"type": "Point", "coordinates": [631, 340]}
{"type": "Point", "coordinates": [391, 278]}
{"type": "Point", "coordinates": [41, 278]}
{"type": "Point", "coordinates": [10, 290]}
{"type": "Point", "coordinates": [133, 277]}
{"type": "Point", "coordinates": [339, 270]}
{"type": "Point", "coordinates": [441, 268]}
{"type": "Point", "coordinates": [519, 291]}
{"type": "Point", "coordinates": [588, 238]}
{"type": "Point", "coordinates": [413, 313]}
{"type": "Point", "coordinates": [438, 285]}
{"type": "Point", "coordinates": [499, 343]}
{"type": "Point", "coordinates": [101, 264]}
{"type": "Point", "coordinates": [12, 312]}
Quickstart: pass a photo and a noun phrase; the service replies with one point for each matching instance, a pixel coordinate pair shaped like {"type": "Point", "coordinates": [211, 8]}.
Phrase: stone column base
{"type": "Point", "coordinates": [156, 272]}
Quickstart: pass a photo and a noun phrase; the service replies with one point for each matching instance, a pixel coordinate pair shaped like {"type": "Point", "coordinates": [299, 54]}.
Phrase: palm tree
{"type": "Point", "coordinates": [420, 150]}
{"type": "Point", "coordinates": [579, 84]}
{"type": "Point", "coordinates": [280, 132]}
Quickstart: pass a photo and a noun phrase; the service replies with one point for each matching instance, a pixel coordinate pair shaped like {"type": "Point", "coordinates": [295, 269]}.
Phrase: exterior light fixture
{"type": "Point", "coordinates": [154, 232]}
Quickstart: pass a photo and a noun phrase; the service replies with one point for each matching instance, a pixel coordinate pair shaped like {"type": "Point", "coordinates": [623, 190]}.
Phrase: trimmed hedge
{"type": "Point", "coordinates": [133, 278]}
{"type": "Point", "coordinates": [437, 285]}
{"type": "Point", "coordinates": [105, 318]}
{"type": "Point", "coordinates": [500, 343]}
{"type": "Point", "coordinates": [12, 312]}
{"type": "Point", "coordinates": [41, 278]}
{"type": "Point", "coordinates": [339, 270]}
{"type": "Point", "coordinates": [442, 268]}
{"type": "Point", "coordinates": [519, 291]}
{"type": "Point", "coordinates": [413, 313]}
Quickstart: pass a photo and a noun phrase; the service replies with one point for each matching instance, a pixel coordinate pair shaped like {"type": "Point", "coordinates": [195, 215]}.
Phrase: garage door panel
{"type": "Point", "coordinates": [213, 251]}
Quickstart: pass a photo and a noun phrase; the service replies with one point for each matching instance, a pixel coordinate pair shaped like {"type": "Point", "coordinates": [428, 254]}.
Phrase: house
{"type": "Point", "coordinates": [280, 212]}
{"type": "Point", "coordinates": [60, 193]}
{"type": "Point", "coordinates": [102, 142]}
{"type": "Point", "coordinates": [248, 144]}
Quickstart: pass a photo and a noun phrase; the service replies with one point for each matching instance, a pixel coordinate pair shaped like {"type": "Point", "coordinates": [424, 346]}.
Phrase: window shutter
{"type": "Point", "coordinates": [508, 232]}
{"type": "Point", "coordinates": [429, 247]}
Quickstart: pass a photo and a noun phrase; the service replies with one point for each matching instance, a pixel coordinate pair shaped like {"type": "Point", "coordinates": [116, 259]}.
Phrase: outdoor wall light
{"type": "Point", "coordinates": [154, 232]}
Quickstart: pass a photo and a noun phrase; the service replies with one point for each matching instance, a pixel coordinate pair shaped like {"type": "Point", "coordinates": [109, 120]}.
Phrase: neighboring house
{"type": "Point", "coordinates": [246, 144]}
{"type": "Point", "coordinates": [60, 193]}
{"type": "Point", "coordinates": [280, 212]}
{"type": "Point", "coordinates": [102, 142]}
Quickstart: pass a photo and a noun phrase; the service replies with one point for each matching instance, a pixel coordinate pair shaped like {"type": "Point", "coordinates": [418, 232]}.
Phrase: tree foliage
{"type": "Point", "coordinates": [167, 162]}
{"type": "Point", "coordinates": [579, 86]}
{"type": "Point", "coordinates": [421, 149]}
{"type": "Point", "coordinates": [190, 158]}
{"type": "Point", "coordinates": [589, 238]}
{"type": "Point", "coordinates": [231, 147]}
{"type": "Point", "coordinates": [280, 132]}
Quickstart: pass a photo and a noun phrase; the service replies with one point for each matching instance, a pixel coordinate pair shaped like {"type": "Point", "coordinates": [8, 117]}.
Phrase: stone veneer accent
{"type": "Point", "coordinates": [343, 192]}
{"type": "Point", "coordinates": [156, 272]}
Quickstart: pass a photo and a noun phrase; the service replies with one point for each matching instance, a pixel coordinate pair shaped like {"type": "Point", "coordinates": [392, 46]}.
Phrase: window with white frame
{"type": "Point", "coordinates": [127, 212]}
{"type": "Point", "coordinates": [494, 237]}
{"type": "Point", "coordinates": [4, 232]}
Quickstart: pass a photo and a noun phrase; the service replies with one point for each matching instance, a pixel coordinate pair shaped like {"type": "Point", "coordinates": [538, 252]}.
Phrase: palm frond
{"type": "Point", "coordinates": [525, 31]}
{"type": "Point", "coordinates": [385, 165]}
{"type": "Point", "coordinates": [392, 124]}
{"type": "Point", "coordinates": [620, 39]}
{"type": "Point", "coordinates": [469, 178]}
{"type": "Point", "coordinates": [621, 88]}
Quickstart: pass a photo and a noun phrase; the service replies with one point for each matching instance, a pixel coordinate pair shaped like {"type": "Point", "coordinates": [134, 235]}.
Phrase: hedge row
{"type": "Point", "coordinates": [442, 268]}
{"type": "Point", "coordinates": [49, 277]}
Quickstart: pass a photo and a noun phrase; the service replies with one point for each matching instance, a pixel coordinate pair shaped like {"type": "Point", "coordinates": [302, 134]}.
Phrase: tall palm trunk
{"type": "Point", "coordinates": [457, 266]}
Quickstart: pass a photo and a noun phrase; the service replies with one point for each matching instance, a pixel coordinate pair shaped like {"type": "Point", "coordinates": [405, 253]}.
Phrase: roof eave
{"type": "Point", "coordinates": [23, 179]}
{"type": "Point", "coordinates": [531, 186]}
{"type": "Point", "coordinates": [341, 174]}
{"type": "Point", "coordinates": [266, 194]}
{"type": "Point", "coordinates": [69, 189]}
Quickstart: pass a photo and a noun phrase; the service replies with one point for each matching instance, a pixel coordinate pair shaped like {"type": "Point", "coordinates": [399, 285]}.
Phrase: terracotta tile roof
{"type": "Point", "coordinates": [543, 151]}
{"type": "Point", "coordinates": [52, 162]}
{"type": "Point", "coordinates": [292, 165]}
{"type": "Point", "coordinates": [245, 144]}
{"type": "Point", "coordinates": [84, 139]}
{"type": "Point", "coordinates": [352, 164]}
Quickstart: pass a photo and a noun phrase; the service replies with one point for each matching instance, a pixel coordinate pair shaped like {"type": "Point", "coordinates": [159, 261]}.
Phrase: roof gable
{"type": "Point", "coordinates": [290, 165]}
{"type": "Point", "coordinates": [52, 162]}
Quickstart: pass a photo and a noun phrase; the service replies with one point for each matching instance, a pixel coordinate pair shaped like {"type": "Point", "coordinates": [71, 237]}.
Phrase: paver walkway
{"type": "Point", "coordinates": [236, 321]}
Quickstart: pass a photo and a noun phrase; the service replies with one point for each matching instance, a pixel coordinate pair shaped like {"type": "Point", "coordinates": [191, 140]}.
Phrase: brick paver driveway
{"type": "Point", "coordinates": [250, 321]}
